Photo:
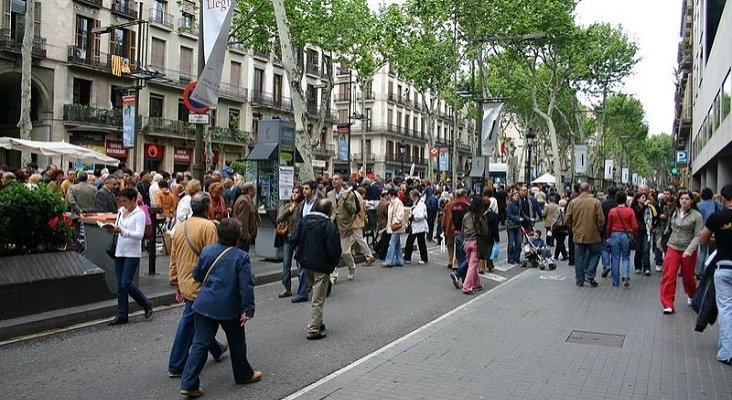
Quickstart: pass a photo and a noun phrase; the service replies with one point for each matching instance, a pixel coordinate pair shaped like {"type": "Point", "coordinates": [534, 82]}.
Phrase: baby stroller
{"type": "Point", "coordinates": [534, 253]}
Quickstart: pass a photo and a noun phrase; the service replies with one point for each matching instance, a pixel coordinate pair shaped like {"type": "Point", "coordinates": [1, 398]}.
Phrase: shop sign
{"type": "Point", "coordinates": [182, 155]}
{"type": "Point", "coordinates": [114, 148]}
{"type": "Point", "coordinates": [154, 151]}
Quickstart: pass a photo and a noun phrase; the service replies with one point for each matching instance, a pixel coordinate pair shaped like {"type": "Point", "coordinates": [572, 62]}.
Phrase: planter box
{"type": "Point", "coordinates": [37, 283]}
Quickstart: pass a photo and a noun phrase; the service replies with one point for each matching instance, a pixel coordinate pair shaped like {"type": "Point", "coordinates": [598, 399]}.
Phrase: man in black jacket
{"type": "Point", "coordinates": [106, 197]}
{"type": "Point", "coordinates": [607, 205]}
{"type": "Point", "coordinates": [318, 252]}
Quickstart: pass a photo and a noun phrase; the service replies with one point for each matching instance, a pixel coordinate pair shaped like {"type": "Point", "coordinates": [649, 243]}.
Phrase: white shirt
{"type": "Point", "coordinates": [308, 205]}
{"type": "Point", "coordinates": [154, 189]}
{"type": "Point", "coordinates": [183, 212]}
{"type": "Point", "coordinates": [129, 242]}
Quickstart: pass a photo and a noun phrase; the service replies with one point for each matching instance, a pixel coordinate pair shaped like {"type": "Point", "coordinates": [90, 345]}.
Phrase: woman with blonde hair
{"type": "Point", "coordinates": [184, 205]}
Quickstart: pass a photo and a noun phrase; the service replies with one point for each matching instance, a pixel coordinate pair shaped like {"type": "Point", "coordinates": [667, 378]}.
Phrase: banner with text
{"type": "Point", "coordinates": [217, 15]}
{"type": "Point", "coordinates": [128, 121]}
{"type": "Point", "coordinates": [580, 158]}
{"type": "Point", "coordinates": [444, 159]}
{"type": "Point", "coordinates": [625, 175]}
{"type": "Point", "coordinates": [608, 170]}
{"type": "Point", "coordinates": [489, 133]}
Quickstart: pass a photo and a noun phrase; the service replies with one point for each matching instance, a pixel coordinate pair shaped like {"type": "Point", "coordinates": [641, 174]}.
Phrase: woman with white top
{"type": "Point", "coordinates": [130, 229]}
{"type": "Point", "coordinates": [419, 228]}
{"type": "Point", "coordinates": [183, 212]}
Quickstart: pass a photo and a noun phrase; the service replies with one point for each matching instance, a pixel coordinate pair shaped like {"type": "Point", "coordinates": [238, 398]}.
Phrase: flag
{"type": "Point", "coordinates": [216, 26]}
{"type": "Point", "coordinates": [119, 65]}
{"type": "Point", "coordinates": [491, 113]}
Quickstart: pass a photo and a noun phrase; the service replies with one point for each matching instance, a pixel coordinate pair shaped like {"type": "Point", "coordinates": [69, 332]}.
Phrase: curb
{"type": "Point", "coordinates": [65, 317]}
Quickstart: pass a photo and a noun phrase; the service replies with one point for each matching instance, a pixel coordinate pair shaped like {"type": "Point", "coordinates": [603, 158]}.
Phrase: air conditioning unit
{"type": "Point", "coordinates": [79, 54]}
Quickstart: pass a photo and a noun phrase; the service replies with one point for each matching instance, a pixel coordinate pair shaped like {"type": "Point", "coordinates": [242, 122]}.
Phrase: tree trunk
{"type": "Point", "coordinates": [551, 131]}
{"type": "Point", "coordinates": [24, 124]}
{"type": "Point", "coordinates": [430, 134]}
{"type": "Point", "coordinates": [294, 77]}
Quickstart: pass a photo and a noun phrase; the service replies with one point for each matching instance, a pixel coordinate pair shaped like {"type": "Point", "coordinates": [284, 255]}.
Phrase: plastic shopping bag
{"type": "Point", "coordinates": [495, 251]}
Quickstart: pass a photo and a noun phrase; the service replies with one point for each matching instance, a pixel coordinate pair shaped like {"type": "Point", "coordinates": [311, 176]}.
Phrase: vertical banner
{"type": "Point", "coordinates": [343, 142]}
{"type": "Point", "coordinates": [128, 121]}
{"type": "Point", "coordinates": [580, 158]}
{"type": "Point", "coordinates": [635, 179]}
{"type": "Point", "coordinates": [625, 175]}
{"type": "Point", "coordinates": [608, 170]}
{"type": "Point", "coordinates": [444, 159]}
{"type": "Point", "coordinates": [489, 133]}
{"type": "Point", "coordinates": [217, 17]}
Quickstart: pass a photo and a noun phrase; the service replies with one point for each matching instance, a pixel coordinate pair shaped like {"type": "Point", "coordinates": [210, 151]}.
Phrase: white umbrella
{"type": "Point", "coordinates": [546, 178]}
{"type": "Point", "coordinates": [65, 150]}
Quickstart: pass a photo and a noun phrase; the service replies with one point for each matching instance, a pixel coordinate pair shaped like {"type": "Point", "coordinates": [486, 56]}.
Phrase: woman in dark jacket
{"type": "Point", "coordinates": [226, 299]}
{"type": "Point", "coordinates": [513, 228]}
{"type": "Point", "coordinates": [641, 260]}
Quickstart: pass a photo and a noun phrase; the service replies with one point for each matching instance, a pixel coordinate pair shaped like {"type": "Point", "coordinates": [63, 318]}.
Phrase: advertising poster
{"type": "Point", "coordinates": [444, 159]}
{"type": "Point", "coordinates": [343, 148]}
{"type": "Point", "coordinates": [287, 182]}
{"type": "Point", "coordinates": [128, 121]}
{"type": "Point", "coordinates": [580, 158]}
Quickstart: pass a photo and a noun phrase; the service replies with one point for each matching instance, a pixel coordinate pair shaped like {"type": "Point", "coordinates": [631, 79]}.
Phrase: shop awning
{"type": "Point", "coordinates": [477, 168]}
{"type": "Point", "coordinates": [261, 152]}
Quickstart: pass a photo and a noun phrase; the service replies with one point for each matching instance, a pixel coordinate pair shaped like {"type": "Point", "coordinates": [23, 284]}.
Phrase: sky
{"type": "Point", "coordinates": [654, 25]}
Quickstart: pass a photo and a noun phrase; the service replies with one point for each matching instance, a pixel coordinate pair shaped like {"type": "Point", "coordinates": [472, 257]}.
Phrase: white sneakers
{"type": "Point", "coordinates": [659, 268]}
{"type": "Point", "coordinates": [350, 274]}
{"type": "Point", "coordinates": [668, 310]}
{"type": "Point", "coordinates": [420, 262]}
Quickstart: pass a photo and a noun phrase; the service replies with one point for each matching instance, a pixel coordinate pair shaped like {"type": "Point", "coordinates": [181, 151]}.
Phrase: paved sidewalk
{"type": "Point", "coordinates": [511, 343]}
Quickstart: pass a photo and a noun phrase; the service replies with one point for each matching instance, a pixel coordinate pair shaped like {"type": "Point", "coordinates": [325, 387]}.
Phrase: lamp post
{"type": "Point", "coordinates": [401, 157]}
{"type": "Point", "coordinates": [530, 136]}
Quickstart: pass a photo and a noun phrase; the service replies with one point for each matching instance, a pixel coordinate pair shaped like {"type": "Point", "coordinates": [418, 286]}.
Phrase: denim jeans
{"type": "Point", "coordinates": [184, 339]}
{"type": "Point", "coordinates": [641, 259]}
{"type": "Point", "coordinates": [514, 245]}
{"type": "Point", "coordinates": [701, 257]}
{"type": "Point", "coordinates": [606, 254]}
{"type": "Point", "coordinates": [620, 248]}
{"type": "Point", "coordinates": [460, 255]}
{"type": "Point", "coordinates": [204, 337]}
{"type": "Point", "coordinates": [587, 256]}
{"type": "Point", "coordinates": [287, 249]}
{"type": "Point", "coordinates": [723, 286]}
{"type": "Point", "coordinates": [394, 256]}
{"type": "Point", "coordinates": [125, 269]}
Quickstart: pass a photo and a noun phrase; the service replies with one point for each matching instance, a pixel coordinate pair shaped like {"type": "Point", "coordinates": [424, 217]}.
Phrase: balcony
{"type": "Point", "coordinates": [392, 98]}
{"type": "Point", "coordinates": [224, 134]}
{"type": "Point", "coordinates": [172, 78]}
{"type": "Point", "coordinates": [358, 157]}
{"type": "Point", "coordinates": [277, 61]}
{"type": "Point", "coordinates": [96, 61]}
{"type": "Point", "coordinates": [169, 127]}
{"type": "Point", "coordinates": [186, 27]}
{"type": "Point", "coordinates": [324, 150]}
{"type": "Point", "coordinates": [161, 18]}
{"type": "Point", "coordinates": [237, 47]}
{"type": "Point", "coordinates": [401, 100]}
{"type": "Point", "coordinates": [262, 54]}
{"type": "Point", "coordinates": [90, 3]}
{"type": "Point", "coordinates": [269, 100]}
{"type": "Point", "coordinates": [91, 115]}
{"type": "Point", "coordinates": [233, 92]}
{"type": "Point", "coordinates": [368, 96]}
{"type": "Point", "coordinates": [11, 44]}
{"type": "Point", "coordinates": [343, 71]}
{"type": "Point", "coordinates": [343, 97]}
{"type": "Point", "coordinates": [125, 8]}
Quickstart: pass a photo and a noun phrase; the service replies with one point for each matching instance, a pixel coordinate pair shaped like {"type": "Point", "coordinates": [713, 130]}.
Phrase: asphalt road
{"type": "Point", "coordinates": [130, 361]}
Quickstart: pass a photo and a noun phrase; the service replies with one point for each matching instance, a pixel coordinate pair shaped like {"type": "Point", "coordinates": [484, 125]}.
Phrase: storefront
{"type": "Point", "coordinates": [182, 159]}
{"type": "Point", "coordinates": [115, 149]}
{"type": "Point", "coordinates": [153, 157]}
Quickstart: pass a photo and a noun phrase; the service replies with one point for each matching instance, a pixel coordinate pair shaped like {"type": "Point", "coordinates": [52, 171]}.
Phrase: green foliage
{"type": "Point", "coordinates": [39, 213]}
{"type": "Point", "coordinates": [240, 167]}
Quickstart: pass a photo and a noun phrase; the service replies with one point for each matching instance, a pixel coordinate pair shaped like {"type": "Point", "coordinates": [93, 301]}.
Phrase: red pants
{"type": "Point", "coordinates": [671, 263]}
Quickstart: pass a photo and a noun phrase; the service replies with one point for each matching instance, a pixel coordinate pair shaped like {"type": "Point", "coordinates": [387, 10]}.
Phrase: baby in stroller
{"type": "Point", "coordinates": [536, 254]}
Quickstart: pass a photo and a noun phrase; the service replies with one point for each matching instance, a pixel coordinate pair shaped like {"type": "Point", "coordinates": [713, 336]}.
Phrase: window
{"type": "Point", "coordinates": [391, 88]}
{"type": "Point", "coordinates": [15, 18]}
{"type": "Point", "coordinates": [406, 123]}
{"type": "Point", "coordinates": [186, 62]}
{"type": "Point", "coordinates": [367, 147]}
{"type": "Point", "coordinates": [414, 125]}
{"type": "Point", "coordinates": [234, 118]}
{"type": "Point", "coordinates": [342, 116]}
{"type": "Point", "coordinates": [344, 91]}
{"type": "Point", "coordinates": [277, 87]}
{"type": "Point", "coordinates": [82, 91]}
{"type": "Point", "coordinates": [326, 65]}
{"type": "Point", "coordinates": [399, 121]}
{"type": "Point", "coordinates": [312, 98]}
{"type": "Point", "coordinates": [389, 116]}
{"type": "Point", "coordinates": [235, 74]}
{"type": "Point", "coordinates": [258, 80]}
{"type": "Point", "coordinates": [368, 119]}
{"type": "Point", "coordinates": [156, 105]}
{"type": "Point", "coordinates": [122, 43]}
{"type": "Point", "coordinates": [717, 109]}
{"type": "Point", "coordinates": [726, 95]}
{"type": "Point", "coordinates": [116, 97]}
{"type": "Point", "coordinates": [182, 111]}
{"type": "Point", "coordinates": [87, 42]}
{"type": "Point", "coordinates": [158, 53]}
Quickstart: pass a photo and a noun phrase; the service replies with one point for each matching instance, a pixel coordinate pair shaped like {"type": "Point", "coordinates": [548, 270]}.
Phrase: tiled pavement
{"type": "Point", "coordinates": [510, 343]}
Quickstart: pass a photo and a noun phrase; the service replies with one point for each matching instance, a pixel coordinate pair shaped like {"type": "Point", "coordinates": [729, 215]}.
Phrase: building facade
{"type": "Point", "coordinates": [702, 126]}
{"type": "Point", "coordinates": [76, 97]}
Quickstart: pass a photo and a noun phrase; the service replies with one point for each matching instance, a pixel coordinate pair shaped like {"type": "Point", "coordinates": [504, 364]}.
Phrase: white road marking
{"type": "Point", "coordinates": [494, 277]}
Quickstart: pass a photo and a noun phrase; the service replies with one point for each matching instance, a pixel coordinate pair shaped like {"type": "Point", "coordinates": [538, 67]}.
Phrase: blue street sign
{"type": "Point", "coordinates": [682, 157]}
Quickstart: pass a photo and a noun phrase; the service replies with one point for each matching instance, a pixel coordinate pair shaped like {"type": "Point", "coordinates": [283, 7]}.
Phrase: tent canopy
{"type": "Point", "coordinates": [546, 178]}
{"type": "Point", "coordinates": [67, 151]}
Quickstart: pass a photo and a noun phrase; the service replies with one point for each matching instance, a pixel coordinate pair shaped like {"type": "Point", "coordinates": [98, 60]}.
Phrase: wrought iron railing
{"type": "Point", "coordinates": [15, 44]}
{"type": "Point", "coordinates": [160, 17]}
{"type": "Point", "coordinates": [125, 8]}
{"type": "Point", "coordinates": [93, 115]}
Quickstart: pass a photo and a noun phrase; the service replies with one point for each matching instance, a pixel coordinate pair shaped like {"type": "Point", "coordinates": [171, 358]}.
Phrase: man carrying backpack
{"type": "Point", "coordinates": [432, 208]}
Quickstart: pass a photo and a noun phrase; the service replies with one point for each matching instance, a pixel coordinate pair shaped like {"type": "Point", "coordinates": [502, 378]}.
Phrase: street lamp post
{"type": "Point", "coordinates": [530, 136]}
{"type": "Point", "coordinates": [401, 157]}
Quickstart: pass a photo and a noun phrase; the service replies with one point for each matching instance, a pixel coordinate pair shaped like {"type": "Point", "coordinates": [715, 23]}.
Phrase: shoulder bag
{"type": "Point", "coordinates": [188, 241]}
{"type": "Point", "coordinates": [214, 264]}
{"type": "Point", "coordinates": [112, 246]}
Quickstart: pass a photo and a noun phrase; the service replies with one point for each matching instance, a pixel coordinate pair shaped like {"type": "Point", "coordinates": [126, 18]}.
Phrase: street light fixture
{"type": "Point", "coordinates": [530, 136]}
{"type": "Point", "coordinates": [402, 148]}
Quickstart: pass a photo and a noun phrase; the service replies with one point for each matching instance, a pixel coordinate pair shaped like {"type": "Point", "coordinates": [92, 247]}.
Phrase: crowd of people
{"type": "Point", "coordinates": [325, 222]}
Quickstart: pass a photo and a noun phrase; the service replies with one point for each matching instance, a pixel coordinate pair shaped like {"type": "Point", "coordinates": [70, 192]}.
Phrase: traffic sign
{"type": "Point", "coordinates": [198, 118]}
{"type": "Point", "coordinates": [192, 105]}
{"type": "Point", "coordinates": [682, 157]}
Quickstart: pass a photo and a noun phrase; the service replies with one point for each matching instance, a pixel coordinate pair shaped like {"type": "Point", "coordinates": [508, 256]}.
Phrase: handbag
{"type": "Point", "coordinates": [632, 243]}
{"type": "Point", "coordinates": [282, 228]}
{"type": "Point", "coordinates": [495, 251]}
{"type": "Point", "coordinates": [112, 246]}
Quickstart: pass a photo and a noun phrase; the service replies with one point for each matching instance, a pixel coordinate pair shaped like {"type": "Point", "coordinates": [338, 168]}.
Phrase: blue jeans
{"type": "Point", "coordinates": [462, 260]}
{"type": "Point", "coordinates": [723, 286]}
{"type": "Point", "coordinates": [394, 256]}
{"type": "Point", "coordinates": [701, 257]}
{"type": "Point", "coordinates": [125, 269]}
{"type": "Point", "coordinates": [514, 245]}
{"type": "Point", "coordinates": [184, 339]}
{"type": "Point", "coordinates": [302, 286]}
{"type": "Point", "coordinates": [606, 254]}
{"type": "Point", "coordinates": [642, 259]}
{"type": "Point", "coordinates": [587, 256]}
{"type": "Point", "coordinates": [620, 246]}
{"type": "Point", "coordinates": [204, 337]}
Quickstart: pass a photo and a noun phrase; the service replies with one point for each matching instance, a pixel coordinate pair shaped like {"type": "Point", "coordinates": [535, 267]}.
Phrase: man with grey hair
{"type": "Point", "coordinates": [106, 197]}
{"type": "Point", "coordinates": [190, 237]}
{"type": "Point", "coordinates": [154, 189]}
{"type": "Point", "coordinates": [586, 219]}
{"type": "Point", "coordinates": [246, 212]}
